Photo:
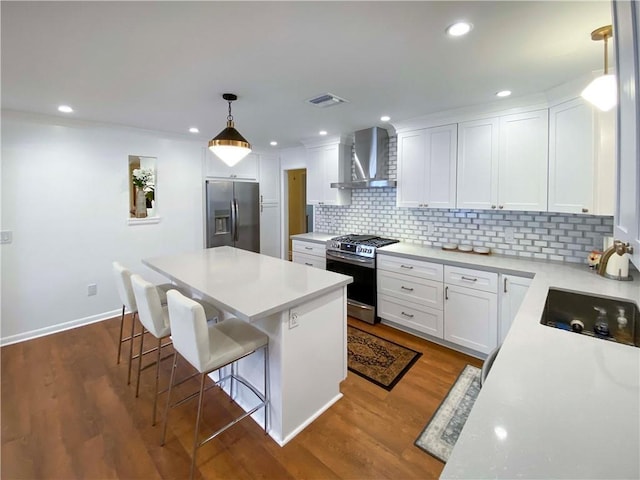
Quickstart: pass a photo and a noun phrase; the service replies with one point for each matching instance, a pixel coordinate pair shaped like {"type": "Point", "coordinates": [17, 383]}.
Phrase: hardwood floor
{"type": "Point", "coordinates": [67, 412]}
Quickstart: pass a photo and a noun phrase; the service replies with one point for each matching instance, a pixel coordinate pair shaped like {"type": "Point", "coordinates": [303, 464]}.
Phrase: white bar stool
{"type": "Point", "coordinates": [209, 348]}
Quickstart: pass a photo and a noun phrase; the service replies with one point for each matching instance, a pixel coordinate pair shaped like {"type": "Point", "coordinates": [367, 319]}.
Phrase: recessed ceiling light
{"type": "Point", "coordinates": [503, 93]}
{"type": "Point", "coordinates": [65, 109]}
{"type": "Point", "coordinates": [194, 130]}
{"type": "Point", "coordinates": [322, 132]}
{"type": "Point", "coordinates": [385, 118]}
{"type": "Point", "coordinates": [459, 29]}
{"type": "Point", "coordinates": [273, 143]}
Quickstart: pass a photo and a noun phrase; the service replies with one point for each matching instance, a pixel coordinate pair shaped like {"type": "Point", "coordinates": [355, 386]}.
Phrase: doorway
{"type": "Point", "coordinates": [297, 203]}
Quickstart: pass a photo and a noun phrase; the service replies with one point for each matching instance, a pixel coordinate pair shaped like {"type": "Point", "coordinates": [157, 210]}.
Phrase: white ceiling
{"type": "Point", "coordinates": [164, 65]}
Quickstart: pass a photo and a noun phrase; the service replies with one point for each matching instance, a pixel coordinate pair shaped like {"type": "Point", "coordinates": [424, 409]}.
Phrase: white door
{"type": "Point", "coordinates": [471, 318]}
{"type": "Point", "coordinates": [571, 157]}
{"type": "Point", "coordinates": [477, 184]}
{"type": "Point", "coordinates": [512, 292]}
{"type": "Point", "coordinates": [411, 168]}
{"type": "Point", "coordinates": [270, 229]}
{"type": "Point", "coordinates": [523, 154]}
{"type": "Point", "coordinates": [440, 181]}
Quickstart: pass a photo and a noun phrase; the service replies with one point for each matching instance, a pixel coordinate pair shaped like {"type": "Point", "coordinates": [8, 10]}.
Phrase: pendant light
{"type": "Point", "coordinates": [602, 91]}
{"type": "Point", "coordinates": [229, 146]}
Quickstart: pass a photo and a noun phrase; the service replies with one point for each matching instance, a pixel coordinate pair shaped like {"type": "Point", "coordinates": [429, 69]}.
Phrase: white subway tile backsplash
{"type": "Point", "coordinates": [551, 236]}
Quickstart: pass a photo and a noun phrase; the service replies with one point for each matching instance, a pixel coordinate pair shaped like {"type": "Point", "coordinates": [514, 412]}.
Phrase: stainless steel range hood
{"type": "Point", "coordinates": [371, 160]}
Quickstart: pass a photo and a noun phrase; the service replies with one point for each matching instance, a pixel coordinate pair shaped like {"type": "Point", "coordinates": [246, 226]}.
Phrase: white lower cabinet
{"type": "Point", "coordinates": [512, 292]}
{"type": "Point", "coordinates": [270, 229]}
{"type": "Point", "coordinates": [309, 253]}
{"type": "Point", "coordinates": [471, 308]}
{"type": "Point", "coordinates": [413, 315]}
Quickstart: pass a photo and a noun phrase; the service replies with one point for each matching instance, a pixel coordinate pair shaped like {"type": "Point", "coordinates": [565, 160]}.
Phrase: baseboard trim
{"type": "Point", "coordinates": [61, 327]}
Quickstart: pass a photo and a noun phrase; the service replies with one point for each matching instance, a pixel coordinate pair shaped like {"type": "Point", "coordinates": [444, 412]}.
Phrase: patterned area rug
{"type": "Point", "coordinates": [376, 359]}
{"type": "Point", "coordinates": [441, 433]}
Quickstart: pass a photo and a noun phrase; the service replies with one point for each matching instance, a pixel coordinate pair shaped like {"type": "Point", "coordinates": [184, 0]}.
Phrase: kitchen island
{"type": "Point", "coordinates": [302, 309]}
{"type": "Point", "coordinates": [555, 404]}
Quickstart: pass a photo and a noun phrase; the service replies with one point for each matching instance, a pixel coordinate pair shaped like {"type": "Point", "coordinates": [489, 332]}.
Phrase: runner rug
{"type": "Point", "coordinates": [441, 433]}
{"type": "Point", "coordinates": [378, 360]}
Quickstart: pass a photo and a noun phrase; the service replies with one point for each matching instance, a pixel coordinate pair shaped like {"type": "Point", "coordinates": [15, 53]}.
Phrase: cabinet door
{"type": "Point", "coordinates": [440, 180]}
{"type": "Point", "coordinates": [315, 176]}
{"type": "Point", "coordinates": [412, 147]}
{"type": "Point", "coordinates": [412, 315]}
{"type": "Point", "coordinates": [332, 164]}
{"type": "Point", "coordinates": [471, 318]}
{"type": "Point", "coordinates": [523, 154]}
{"type": "Point", "coordinates": [627, 217]}
{"type": "Point", "coordinates": [270, 229]}
{"type": "Point", "coordinates": [310, 260]}
{"type": "Point", "coordinates": [512, 293]}
{"type": "Point", "coordinates": [571, 157]}
{"type": "Point", "coordinates": [269, 179]}
{"type": "Point", "coordinates": [477, 185]}
{"type": "Point", "coordinates": [245, 169]}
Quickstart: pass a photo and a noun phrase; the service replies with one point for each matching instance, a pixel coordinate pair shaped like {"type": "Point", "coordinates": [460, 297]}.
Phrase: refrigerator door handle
{"type": "Point", "coordinates": [235, 220]}
{"type": "Point", "coordinates": [232, 210]}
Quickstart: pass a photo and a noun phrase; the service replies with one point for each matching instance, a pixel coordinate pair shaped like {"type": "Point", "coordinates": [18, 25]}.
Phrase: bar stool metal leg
{"type": "Point", "coordinates": [120, 336]}
{"type": "Point", "coordinates": [133, 327]}
{"type": "Point", "coordinates": [155, 399]}
{"type": "Point", "coordinates": [196, 443]}
{"type": "Point", "coordinates": [267, 387]}
{"type": "Point", "coordinates": [140, 361]}
{"type": "Point", "coordinates": [166, 409]}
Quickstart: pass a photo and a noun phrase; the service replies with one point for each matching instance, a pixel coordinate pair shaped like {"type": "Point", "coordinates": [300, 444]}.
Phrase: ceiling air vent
{"type": "Point", "coordinates": [326, 100]}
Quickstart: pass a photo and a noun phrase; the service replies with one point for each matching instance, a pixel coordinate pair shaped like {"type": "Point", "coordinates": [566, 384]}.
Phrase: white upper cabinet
{"type": "Point", "coordinates": [522, 164]}
{"type": "Point", "coordinates": [245, 169]}
{"type": "Point", "coordinates": [326, 164]}
{"type": "Point", "coordinates": [581, 159]}
{"type": "Point", "coordinates": [269, 178]}
{"type": "Point", "coordinates": [478, 164]}
{"type": "Point", "coordinates": [427, 167]}
{"type": "Point", "coordinates": [626, 227]}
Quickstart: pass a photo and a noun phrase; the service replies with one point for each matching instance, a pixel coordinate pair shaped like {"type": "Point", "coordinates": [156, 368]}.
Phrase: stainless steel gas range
{"type": "Point", "coordinates": [355, 255]}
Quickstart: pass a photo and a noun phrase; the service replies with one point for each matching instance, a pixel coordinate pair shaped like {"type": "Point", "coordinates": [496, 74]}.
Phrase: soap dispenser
{"type": "Point", "coordinates": [601, 326]}
{"type": "Point", "coordinates": [623, 334]}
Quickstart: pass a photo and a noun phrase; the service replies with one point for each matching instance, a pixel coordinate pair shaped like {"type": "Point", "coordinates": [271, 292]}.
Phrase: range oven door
{"type": "Point", "coordinates": [361, 294]}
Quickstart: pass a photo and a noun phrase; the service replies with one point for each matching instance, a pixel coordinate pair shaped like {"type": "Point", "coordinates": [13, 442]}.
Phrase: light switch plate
{"type": "Point", "coordinates": [6, 236]}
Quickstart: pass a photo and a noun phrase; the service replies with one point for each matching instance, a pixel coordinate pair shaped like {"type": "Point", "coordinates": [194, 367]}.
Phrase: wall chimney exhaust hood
{"type": "Point", "coordinates": [370, 161]}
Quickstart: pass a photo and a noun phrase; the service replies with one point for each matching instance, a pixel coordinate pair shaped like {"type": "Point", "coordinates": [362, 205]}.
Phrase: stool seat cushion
{"type": "Point", "coordinates": [232, 339]}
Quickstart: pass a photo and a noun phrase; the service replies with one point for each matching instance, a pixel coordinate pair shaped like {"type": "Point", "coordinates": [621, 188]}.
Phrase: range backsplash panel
{"type": "Point", "coordinates": [540, 235]}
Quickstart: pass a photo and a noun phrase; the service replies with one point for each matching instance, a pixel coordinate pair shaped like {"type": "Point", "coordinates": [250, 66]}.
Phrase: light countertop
{"type": "Point", "coordinates": [247, 284]}
{"type": "Point", "coordinates": [555, 404]}
{"type": "Point", "coordinates": [314, 237]}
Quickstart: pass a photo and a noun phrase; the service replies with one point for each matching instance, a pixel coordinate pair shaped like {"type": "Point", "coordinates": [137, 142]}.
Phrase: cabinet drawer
{"type": "Point", "coordinates": [476, 279]}
{"type": "Point", "coordinates": [418, 317]}
{"type": "Point", "coordinates": [418, 290]}
{"type": "Point", "coordinates": [408, 266]}
{"type": "Point", "coordinates": [309, 248]}
{"type": "Point", "coordinates": [310, 260]}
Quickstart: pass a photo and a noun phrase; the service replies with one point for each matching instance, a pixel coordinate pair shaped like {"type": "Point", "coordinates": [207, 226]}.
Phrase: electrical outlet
{"type": "Point", "coordinates": [429, 228]}
{"type": "Point", "coordinates": [6, 236]}
{"type": "Point", "coordinates": [92, 289]}
{"type": "Point", "coordinates": [509, 234]}
{"type": "Point", "coordinates": [293, 320]}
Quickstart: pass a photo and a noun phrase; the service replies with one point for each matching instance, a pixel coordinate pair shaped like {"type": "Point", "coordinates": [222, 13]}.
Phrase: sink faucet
{"type": "Point", "coordinates": [613, 263]}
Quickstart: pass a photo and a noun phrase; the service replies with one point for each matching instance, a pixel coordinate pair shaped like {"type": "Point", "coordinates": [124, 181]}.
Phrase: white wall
{"type": "Point", "coordinates": [290, 159]}
{"type": "Point", "coordinates": [65, 198]}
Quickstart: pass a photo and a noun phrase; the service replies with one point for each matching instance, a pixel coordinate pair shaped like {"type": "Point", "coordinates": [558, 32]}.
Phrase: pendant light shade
{"type": "Point", "coordinates": [602, 92]}
{"type": "Point", "coordinates": [229, 146]}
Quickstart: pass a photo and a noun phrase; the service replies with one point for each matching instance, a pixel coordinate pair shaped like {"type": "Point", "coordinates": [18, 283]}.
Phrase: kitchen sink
{"type": "Point", "coordinates": [599, 317]}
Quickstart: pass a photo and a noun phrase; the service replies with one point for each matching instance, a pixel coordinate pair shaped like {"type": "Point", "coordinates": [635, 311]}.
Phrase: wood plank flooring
{"type": "Point", "coordinates": [67, 412]}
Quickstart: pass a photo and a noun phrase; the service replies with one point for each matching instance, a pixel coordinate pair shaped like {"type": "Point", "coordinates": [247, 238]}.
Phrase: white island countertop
{"type": "Point", "coordinates": [555, 404]}
{"type": "Point", "coordinates": [247, 284]}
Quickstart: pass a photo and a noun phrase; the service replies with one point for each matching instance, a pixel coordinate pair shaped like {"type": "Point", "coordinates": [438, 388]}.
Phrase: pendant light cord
{"type": "Point", "coordinates": [230, 117]}
{"type": "Point", "coordinates": [606, 60]}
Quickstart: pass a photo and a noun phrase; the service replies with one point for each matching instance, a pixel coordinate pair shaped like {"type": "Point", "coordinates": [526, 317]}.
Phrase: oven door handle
{"type": "Point", "coordinates": [364, 262]}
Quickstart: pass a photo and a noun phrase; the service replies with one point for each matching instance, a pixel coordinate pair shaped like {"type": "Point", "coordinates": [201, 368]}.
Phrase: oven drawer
{"type": "Point", "coordinates": [476, 279]}
{"type": "Point", "coordinates": [309, 248]}
{"type": "Point", "coordinates": [418, 290]}
{"type": "Point", "coordinates": [408, 266]}
{"type": "Point", "coordinates": [310, 260]}
{"type": "Point", "coordinates": [417, 317]}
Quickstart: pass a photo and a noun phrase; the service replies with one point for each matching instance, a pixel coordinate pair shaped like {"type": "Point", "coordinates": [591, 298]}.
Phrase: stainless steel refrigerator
{"type": "Point", "coordinates": [233, 214]}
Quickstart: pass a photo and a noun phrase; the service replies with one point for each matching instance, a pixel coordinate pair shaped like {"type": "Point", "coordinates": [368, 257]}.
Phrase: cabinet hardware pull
{"type": "Point", "coordinates": [261, 198]}
{"type": "Point", "coordinates": [310, 264]}
{"type": "Point", "coordinates": [446, 293]}
{"type": "Point", "coordinates": [407, 314]}
{"type": "Point", "coordinates": [505, 285]}
{"type": "Point", "coordinates": [469, 279]}
{"type": "Point", "coordinates": [500, 206]}
{"type": "Point", "coordinates": [585, 210]}
{"type": "Point", "coordinates": [308, 248]}
{"type": "Point", "coordinates": [407, 267]}
{"type": "Point", "coordinates": [261, 208]}
{"type": "Point", "coordinates": [493, 206]}
{"type": "Point", "coordinates": [406, 288]}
